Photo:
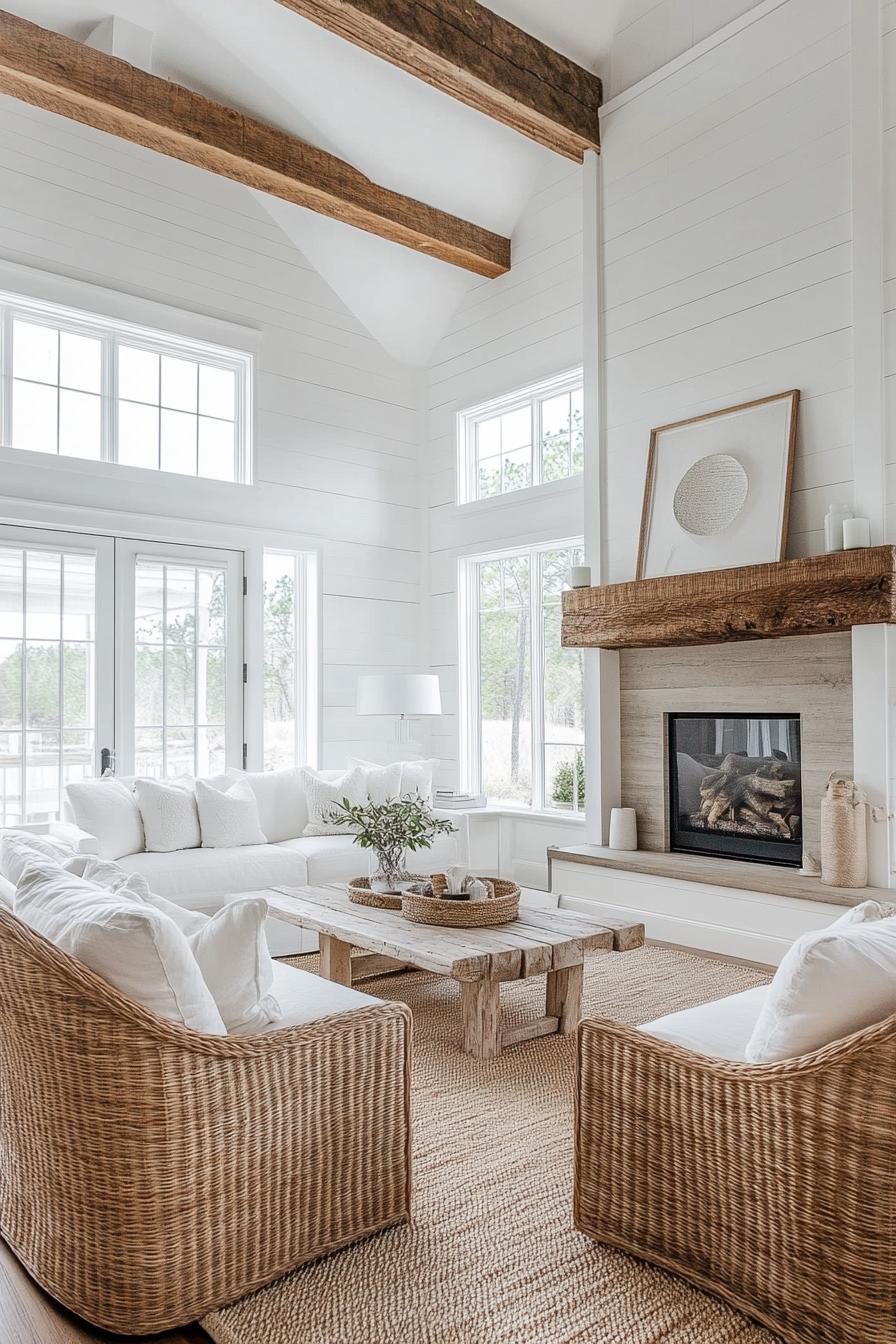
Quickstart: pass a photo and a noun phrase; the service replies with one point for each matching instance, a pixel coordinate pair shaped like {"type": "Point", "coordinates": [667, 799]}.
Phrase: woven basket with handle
{"type": "Point", "coordinates": [501, 907]}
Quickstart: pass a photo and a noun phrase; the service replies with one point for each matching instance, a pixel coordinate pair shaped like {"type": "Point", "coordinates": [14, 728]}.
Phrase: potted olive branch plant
{"type": "Point", "coordinates": [391, 831]}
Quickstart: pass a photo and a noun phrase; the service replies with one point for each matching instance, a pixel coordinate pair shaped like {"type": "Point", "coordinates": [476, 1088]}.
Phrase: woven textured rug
{"type": "Point", "coordinates": [491, 1257]}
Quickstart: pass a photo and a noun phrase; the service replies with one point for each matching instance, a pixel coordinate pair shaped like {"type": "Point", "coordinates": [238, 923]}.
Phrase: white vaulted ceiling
{"type": "Point", "coordinates": [265, 60]}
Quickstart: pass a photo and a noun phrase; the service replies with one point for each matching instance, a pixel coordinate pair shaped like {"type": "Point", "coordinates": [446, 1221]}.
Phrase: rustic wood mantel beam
{"type": "Point", "coordinates": [820, 594]}
{"type": "Point", "coordinates": [76, 81]}
{"type": "Point", "coordinates": [475, 56]}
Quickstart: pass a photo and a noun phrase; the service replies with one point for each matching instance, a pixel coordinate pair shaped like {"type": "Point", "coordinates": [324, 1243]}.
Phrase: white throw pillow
{"type": "Point", "coordinates": [322, 795]}
{"type": "Point", "coordinates": [831, 983]}
{"type": "Point", "coordinates": [228, 819]}
{"type": "Point", "coordinates": [107, 810]}
{"type": "Point", "coordinates": [130, 944]}
{"type": "Point", "coordinates": [19, 848]}
{"type": "Point", "coordinates": [170, 819]}
{"type": "Point", "coordinates": [864, 913]}
{"type": "Point", "coordinates": [280, 795]}
{"type": "Point", "coordinates": [416, 777]}
{"type": "Point", "coordinates": [232, 953]}
{"type": "Point", "coordinates": [382, 782]}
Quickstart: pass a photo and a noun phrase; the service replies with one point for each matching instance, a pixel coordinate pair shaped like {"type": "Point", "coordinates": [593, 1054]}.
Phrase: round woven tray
{"type": "Point", "coordinates": [501, 908]}
{"type": "Point", "coordinates": [359, 892]}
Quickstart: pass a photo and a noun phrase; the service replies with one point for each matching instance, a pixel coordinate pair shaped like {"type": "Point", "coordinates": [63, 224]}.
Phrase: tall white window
{"type": "Point", "coordinates": [530, 437]}
{"type": "Point", "coordinates": [290, 626]}
{"type": "Point", "coordinates": [75, 384]}
{"type": "Point", "coordinates": [522, 694]}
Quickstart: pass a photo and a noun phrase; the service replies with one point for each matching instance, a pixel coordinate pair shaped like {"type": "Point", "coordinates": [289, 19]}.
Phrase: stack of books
{"type": "Point", "coordinates": [448, 798]}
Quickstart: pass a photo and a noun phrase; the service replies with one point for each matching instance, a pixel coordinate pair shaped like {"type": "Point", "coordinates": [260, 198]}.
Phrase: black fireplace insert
{"type": "Point", "coordinates": [735, 786]}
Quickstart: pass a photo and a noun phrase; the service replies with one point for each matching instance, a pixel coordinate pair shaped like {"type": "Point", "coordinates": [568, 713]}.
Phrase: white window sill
{"type": "Point", "coordinates": [532, 814]}
{"type": "Point", "coordinates": [524, 495]}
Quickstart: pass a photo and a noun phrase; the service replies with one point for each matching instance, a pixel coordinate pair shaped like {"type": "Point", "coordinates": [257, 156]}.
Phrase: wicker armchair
{"type": "Point", "coordinates": [149, 1173]}
{"type": "Point", "coordinates": [772, 1186]}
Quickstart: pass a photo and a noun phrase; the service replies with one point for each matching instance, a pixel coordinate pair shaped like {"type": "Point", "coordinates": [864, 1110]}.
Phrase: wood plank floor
{"type": "Point", "coordinates": [29, 1316]}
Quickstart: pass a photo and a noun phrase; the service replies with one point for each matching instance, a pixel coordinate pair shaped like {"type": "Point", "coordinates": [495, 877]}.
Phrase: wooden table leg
{"type": "Point", "coordinates": [563, 997]}
{"type": "Point", "coordinates": [481, 1005]}
{"type": "Point", "coordinates": [335, 959]}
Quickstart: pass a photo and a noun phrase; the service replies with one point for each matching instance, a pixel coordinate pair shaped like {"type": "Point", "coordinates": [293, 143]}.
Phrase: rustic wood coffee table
{"type": "Point", "coordinates": [552, 943]}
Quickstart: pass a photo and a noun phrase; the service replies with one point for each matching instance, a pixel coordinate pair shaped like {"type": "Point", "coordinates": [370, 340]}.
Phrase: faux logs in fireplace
{"type": "Point", "coordinates": [735, 786]}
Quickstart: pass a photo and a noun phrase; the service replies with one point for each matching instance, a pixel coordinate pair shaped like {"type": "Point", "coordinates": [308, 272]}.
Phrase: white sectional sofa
{"type": "Point", "coordinates": [205, 879]}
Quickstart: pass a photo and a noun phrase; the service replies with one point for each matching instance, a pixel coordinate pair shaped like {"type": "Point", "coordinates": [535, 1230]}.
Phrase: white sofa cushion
{"type": "Point", "coordinates": [322, 794]}
{"type": "Point", "coordinates": [169, 816]}
{"type": "Point", "coordinates": [830, 983]}
{"type": "Point", "coordinates": [304, 997]}
{"type": "Point", "coordinates": [280, 795]}
{"type": "Point", "coordinates": [130, 944]}
{"type": "Point", "coordinates": [202, 879]}
{"type": "Point", "coordinates": [721, 1028]}
{"type": "Point", "coordinates": [106, 809]}
{"type": "Point", "coordinates": [336, 858]}
{"type": "Point", "coordinates": [228, 818]}
{"type": "Point", "coordinates": [19, 848]}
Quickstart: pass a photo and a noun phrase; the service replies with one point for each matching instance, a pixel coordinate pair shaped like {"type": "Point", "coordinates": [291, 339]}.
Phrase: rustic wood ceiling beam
{"type": "Point", "coordinates": [474, 55]}
{"type": "Point", "coordinates": [63, 76]}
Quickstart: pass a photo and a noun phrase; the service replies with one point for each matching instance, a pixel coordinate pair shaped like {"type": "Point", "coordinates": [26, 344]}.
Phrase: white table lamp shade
{"type": "Point", "coordinates": [406, 693]}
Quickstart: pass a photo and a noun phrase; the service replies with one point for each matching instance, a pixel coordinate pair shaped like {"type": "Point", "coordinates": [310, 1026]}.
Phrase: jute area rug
{"type": "Point", "coordinates": [491, 1257]}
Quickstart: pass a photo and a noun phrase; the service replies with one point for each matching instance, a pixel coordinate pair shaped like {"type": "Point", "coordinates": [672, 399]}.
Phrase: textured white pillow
{"type": "Point", "coordinates": [107, 810]}
{"type": "Point", "coordinates": [232, 953]}
{"type": "Point", "coordinates": [864, 913]}
{"type": "Point", "coordinates": [382, 782]}
{"type": "Point", "coordinates": [282, 813]}
{"type": "Point", "coordinates": [322, 794]}
{"type": "Point", "coordinates": [126, 941]}
{"type": "Point", "coordinates": [170, 819]}
{"type": "Point", "coordinates": [416, 779]}
{"type": "Point", "coordinates": [831, 983]}
{"type": "Point", "coordinates": [228, 819]}
{"type": "Point", "coordinates": [19, 848]}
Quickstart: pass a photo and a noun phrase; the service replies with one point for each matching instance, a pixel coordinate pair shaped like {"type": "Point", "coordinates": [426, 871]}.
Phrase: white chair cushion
{"type": "Point", "coordinates": [169, 816]}
{"type": "Point", "coordinates": [7, 894]}
{"type": "Point", "coordinates": [864, 913]}
{"type": "Point", "coordinates": [203, 878]}
{"type": "Point", "coordinates": [280, 795]}
{"type": "Point", "coordinates": [304, 997]}
{"type": "Point", "coordinates": [228, 819]}
{"type": "Point", "coordinates": [830, 983]}
{"type": "Point", "coordinates": [720, 1029]}
{"type": "Point", "coordinates": [381, 782]}
{"type": "Point", "coordinates": [107, 810]}
{"type": "Point", "coordinates": [322, 794]}
{"type": "Point", "coordinates": [127, 942]}
{"type": "Point", "coordinates": [19, 848]}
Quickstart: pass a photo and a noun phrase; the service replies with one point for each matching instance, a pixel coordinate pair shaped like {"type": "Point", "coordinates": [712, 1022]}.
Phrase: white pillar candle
{"type": "Point", "coordinates": [623, 828]}
{"type": "Point", "coordinates": [580, 576]}
{"type": "Point", "coordinates": [856, 532]}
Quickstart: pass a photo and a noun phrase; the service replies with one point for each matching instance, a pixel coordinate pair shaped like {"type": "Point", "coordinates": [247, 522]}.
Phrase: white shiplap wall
{"type": "Point", "coordinates": [511, 331]}
{"type": "Point", "coordinates": [888, 146]}
{"type": "Point", "coordinates": [727, 253]}
{"type": "Point", "coordinates": [336, 458]}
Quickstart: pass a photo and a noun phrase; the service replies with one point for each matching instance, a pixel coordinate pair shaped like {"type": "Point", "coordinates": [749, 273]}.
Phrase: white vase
{"type": "Point", "coordinates": [623, 828]}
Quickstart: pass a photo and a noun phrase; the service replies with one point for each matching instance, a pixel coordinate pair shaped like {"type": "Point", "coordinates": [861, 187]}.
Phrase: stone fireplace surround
{"type": "Point", "coordinates": [809, 675]}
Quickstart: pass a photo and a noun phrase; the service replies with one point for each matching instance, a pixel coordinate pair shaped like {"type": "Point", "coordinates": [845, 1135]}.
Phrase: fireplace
{"type": "Point", "coordinates": [735, 786]}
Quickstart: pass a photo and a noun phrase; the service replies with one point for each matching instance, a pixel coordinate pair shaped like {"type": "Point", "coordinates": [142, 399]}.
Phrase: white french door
{"type": "Point", "coordinates": [56, 659]}
{"type": "Point", "coordinates": [179, 659]}
{"type": "Point", "coordinates": [114, 653]}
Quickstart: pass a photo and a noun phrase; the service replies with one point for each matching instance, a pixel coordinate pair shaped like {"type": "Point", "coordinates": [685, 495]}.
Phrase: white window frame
{"type": "Point", "coordinates": [470, 744]}
{"type": "Point", "coordinates": [113, 333]}
{"type": "Point", "coordinates": [307, 654]}
{"type": "Point", "coordinates": [471, 417]}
